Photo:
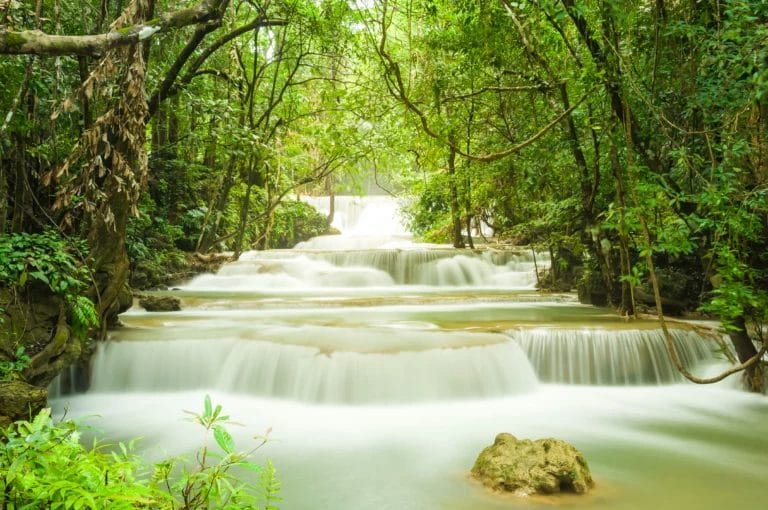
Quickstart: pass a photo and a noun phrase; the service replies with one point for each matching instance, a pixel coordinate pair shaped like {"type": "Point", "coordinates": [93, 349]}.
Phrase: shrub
{"type": "Point", "coordinates": [43, 464]}
{"type": "Point", "coordinates": [55, 262]}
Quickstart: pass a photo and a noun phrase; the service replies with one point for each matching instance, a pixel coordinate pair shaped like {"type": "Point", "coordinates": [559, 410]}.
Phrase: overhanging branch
{"type": "Point", "coordinates": [35, 42]}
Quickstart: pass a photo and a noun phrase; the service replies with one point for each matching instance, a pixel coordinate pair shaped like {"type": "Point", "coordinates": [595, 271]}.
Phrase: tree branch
{"type": "Point", "coordinates": [168, 87]}
{"type": "Point", "coordinates": [510, 88]}
{"type": "Point", "coordinates": [393, 78]}
{"type": "Point", "coordinates": [35, 42]}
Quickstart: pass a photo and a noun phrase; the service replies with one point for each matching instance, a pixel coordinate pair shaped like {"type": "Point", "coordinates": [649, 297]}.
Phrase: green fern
{"type": "Point", "coordinates": [269, 486]}
{"type": "Point", "coordinates": [83, 315]}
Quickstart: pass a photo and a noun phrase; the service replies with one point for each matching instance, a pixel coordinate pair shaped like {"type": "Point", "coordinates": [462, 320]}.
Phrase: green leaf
{"type": "Point", "coordinates": [208, 407]}
{"type": "Point", "coordinates": [39, 275]}
{"type": "Point", "coordinates": [223, 439]}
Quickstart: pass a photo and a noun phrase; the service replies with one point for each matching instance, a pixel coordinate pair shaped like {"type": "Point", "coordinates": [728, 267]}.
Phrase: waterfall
{"type": "Point", "coordinates": [611, 356]}
{"type": "Point", "coordinates": [379, 365]}
{"type": "Point", "coordinates": [440, 267]}
{"type": "Point", "coordinates": [318, 365]}
{"type": "Point", "coordinates": [362, 215]}
{"type": "Point", "coordinates": [69, 381]}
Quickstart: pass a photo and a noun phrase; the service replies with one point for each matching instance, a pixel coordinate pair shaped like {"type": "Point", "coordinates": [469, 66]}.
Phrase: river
{"type": "Point", "coordinates": [383, 367]}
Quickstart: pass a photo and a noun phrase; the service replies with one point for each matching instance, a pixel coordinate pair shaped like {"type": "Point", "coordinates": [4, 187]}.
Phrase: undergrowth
{"type": "Point", "coordinates": [43, 464]}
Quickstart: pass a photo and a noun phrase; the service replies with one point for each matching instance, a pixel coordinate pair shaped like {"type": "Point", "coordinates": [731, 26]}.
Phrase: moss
{"type": "Point", "coordinates": [13, 40]}
{"type": "Point", "coordinates": [525, 467]}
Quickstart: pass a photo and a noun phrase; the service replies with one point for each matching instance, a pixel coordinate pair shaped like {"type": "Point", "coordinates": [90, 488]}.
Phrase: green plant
{"type": "Point", "coordinates": [207, 484]}
{"type": "Point", "coordinates": [82, 315]}
{"type": "Point", "coordinates": [51, 260]}
{"type": "Point", "coordinates": [11, 370]}
{"type": "Point", "coordinates": [293, 222]}
{"type": "Point", "coordinates": [44, 464]}
{"type": "Point", "coordinates": [45, 257]}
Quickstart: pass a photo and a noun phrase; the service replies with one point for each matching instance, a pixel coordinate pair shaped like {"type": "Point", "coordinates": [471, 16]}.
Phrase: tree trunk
{"type": "Point", "coordinates": [110, 259]}
{"type": "Point", "coordinates": [753, 377]}
{"type": "Point", "coordinates": [21, 194]}
{"type": "Point", "coordinates": [3, 196]}
{"type": "Point", "coordinates": [627, 288]}
{"type": "Point", "coordinates": [245, 208]}
{"type": "Point", "coordinates": [218, 203]}
{"type": "Point", "coordinates": [34, 42]}
{"type": "Point", "coordinates": [458, 242]}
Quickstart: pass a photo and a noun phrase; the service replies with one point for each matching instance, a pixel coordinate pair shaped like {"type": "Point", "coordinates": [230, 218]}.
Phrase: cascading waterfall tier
{"type": "Point", "coordinates": [274, 334]}
{"type": "Point", "coordinates": [441, 267]}
{"type": "Point", "coordinates": [612, 356]}
{"type": "Point", "coordinates": [322, 365]}
{"type": "Point", "coordinates": [374, 250]}
{"type": "Point", "coordinates": [379, 215]}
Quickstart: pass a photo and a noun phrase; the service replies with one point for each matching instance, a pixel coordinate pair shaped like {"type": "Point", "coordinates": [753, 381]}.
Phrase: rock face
{"type": "Point", "coordinates": [20, 401]}
{"type": "Point", "coordinates": [160, 303]}
{"type": "Point", "coordinates": [525, 467]}
{"type": "Point", "coordinates": [36, 319]}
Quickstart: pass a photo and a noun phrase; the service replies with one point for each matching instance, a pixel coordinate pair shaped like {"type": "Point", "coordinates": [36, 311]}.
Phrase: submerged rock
{"type": "Point", "coordinates": [525, 467]}
{"type": "Point", "coordinates": [160, 303]}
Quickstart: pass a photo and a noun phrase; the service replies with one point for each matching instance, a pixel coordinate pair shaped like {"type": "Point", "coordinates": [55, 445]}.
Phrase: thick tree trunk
{"type": "Point", "coordinates": [110, 259]}
{"type": "Point", "coordinates": [753, 377]}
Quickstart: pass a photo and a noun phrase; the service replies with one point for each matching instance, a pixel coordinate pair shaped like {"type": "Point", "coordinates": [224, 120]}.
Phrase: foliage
{"type": "Point", "coordinates": [429, 215]}
{"type": "Point", "coordinates": [13, 369]}
{"type": "Point", "coordinates": [44, 464]}
{"type": "Point", "coordinates": [151, 240]}
{"type": "Point", "coordinates": [49, 259]}
{"type": "Point", "coordinates": [83, 315]}
{"type": "Point", "coordinates": [212, 485]}
{"type": "Point", "coordinates": [294, 222]}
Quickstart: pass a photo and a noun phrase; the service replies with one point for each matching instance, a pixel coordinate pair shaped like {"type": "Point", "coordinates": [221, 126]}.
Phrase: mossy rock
{"type": "Point", "coordinates": [525, 467]}
{"type": "Point", "coordinates": [20, 401]}
{"type": "Point", "coordinates": [160, 303]}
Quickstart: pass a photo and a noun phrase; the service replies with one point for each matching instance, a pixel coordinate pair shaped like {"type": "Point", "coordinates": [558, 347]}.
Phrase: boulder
{"type": "Point", "coordinates": [160, 303]}
{"type": "Point", "coordinates": [525, 467]}
{"type": "Point", "coordinates": [20, 401]}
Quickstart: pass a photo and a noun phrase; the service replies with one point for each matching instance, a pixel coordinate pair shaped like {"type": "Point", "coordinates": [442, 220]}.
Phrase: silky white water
{"type": "Point", "coordinates": [383, 373]}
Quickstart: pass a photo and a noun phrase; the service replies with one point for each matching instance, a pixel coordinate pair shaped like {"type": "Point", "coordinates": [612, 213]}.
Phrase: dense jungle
{"type": "Point", "coordinates": [621, 144]}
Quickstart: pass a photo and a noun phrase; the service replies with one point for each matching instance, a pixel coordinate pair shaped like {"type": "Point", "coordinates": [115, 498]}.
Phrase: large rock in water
{"type": "Point", "coordinates": [525, 467]}
{"type": "Point", "coordinates": [160, 303]}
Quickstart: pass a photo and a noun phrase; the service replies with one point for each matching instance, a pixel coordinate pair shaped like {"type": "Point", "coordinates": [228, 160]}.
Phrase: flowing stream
{"type": "Point", "coordinates": [383, 367]}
